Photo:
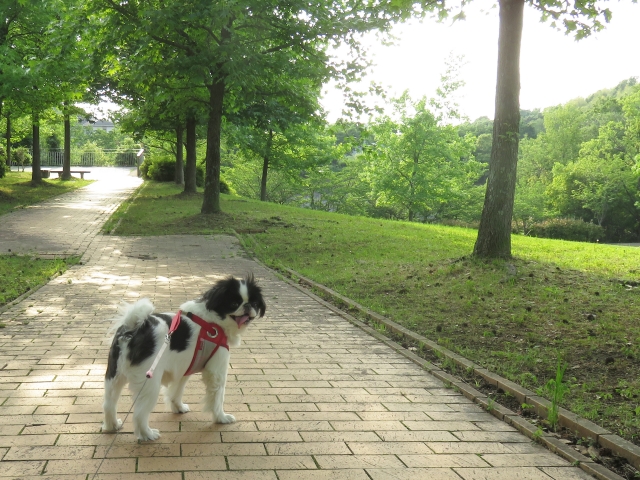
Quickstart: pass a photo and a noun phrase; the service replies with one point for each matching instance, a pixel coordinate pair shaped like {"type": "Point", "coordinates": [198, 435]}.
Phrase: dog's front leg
{"type": "Point", "coordinates": [214, 377]}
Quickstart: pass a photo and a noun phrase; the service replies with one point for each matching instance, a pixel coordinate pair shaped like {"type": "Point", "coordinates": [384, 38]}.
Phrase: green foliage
{"type": "Point", "coordinates": [3, 168]}
{"type": "Point", "coordinates": [21, 156]}
{"type": "Point", "coordinates": [416, 165]}
{"type": "Point", "coordinates": [161, 169]}
{"type": "Point", "coordinates": [555, 390]}
{"type": "Point", "coordinates": [567, 229]}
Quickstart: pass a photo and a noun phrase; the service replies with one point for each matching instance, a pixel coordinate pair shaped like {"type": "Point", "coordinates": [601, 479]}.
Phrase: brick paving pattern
{"type": "Point", "coordinates": [315, 397]}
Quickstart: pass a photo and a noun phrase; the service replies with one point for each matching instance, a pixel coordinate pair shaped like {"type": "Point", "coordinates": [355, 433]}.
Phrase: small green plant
{"type": "Point", "coordinates": [491, 404]}
{"type": "Point", "coordinates": [556, 389]}
{"type": "Point", "coordinates": [538, 433]}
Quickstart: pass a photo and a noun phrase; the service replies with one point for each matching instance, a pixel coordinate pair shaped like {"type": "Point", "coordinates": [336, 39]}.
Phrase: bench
{"type": "Point", "coordinates": [81, 172]}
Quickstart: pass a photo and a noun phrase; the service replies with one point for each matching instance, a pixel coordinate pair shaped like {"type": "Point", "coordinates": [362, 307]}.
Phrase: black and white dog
{"type": "Point", "coordinates": [198, 339]}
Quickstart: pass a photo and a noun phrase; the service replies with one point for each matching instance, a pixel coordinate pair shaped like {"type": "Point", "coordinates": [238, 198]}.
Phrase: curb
{"type": "Point", "coordinates": [567, 419]}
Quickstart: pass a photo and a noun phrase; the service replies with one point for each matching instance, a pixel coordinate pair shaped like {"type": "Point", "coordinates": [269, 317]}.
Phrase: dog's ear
{"type": "Point", "coordinates": [255, 293]}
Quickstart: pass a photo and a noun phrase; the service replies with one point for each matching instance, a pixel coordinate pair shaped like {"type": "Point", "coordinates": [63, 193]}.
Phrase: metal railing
{"type": "Point", "coordinates": [91, 158]}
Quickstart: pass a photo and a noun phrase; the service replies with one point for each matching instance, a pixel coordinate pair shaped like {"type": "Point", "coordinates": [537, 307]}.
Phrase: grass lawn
{"type": "Point", "coordinates": [565, 300]}
{"type": "Point", "coordinates": [16, 190]}
{"type": "Point", "coordinates": [19, 274]}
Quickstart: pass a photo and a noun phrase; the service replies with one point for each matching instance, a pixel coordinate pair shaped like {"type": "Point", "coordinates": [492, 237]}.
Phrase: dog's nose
{"type": "Point", "coordinates": [247, 307]}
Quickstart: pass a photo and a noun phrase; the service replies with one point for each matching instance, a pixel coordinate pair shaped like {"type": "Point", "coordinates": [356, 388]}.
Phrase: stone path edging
{"type": "Point", "coordinates": [567, 419]}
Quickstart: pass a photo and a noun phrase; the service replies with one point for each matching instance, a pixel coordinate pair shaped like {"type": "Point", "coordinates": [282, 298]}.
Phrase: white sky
{"type": "Point", "coordinates": [554, 67]}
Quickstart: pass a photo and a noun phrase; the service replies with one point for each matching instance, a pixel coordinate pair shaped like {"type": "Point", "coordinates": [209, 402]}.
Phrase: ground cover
{"type": "Point", "coordinates": [16, 190]}
{"type": "Point", "coordinates": [19, 274]}
{"type": "Point", "coordinates": [569, 301]}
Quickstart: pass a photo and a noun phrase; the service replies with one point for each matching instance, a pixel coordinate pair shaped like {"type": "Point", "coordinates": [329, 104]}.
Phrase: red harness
{"type": "Point", "coordinates": [210, 338]}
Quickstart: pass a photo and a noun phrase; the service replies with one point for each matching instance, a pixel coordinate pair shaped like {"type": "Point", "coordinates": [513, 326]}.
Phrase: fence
{"type": "Point", "coordinates": [90, 158]}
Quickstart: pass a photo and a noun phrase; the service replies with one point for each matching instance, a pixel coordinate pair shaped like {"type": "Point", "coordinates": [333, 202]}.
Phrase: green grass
{"type": "Point", "coordinates": [16, 190]}
{"type": "Point", "coordinates": [19, 274]}
{"type": "Point", "coordinates": [565, 301]}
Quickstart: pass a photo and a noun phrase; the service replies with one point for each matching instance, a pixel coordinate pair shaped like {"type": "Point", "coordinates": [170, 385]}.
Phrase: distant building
{"type": "Point", "coordinates": [96, 124]}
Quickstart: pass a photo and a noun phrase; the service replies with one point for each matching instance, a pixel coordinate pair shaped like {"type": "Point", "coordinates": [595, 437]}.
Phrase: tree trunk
{"type": "Point", "coordinates": [179, 160]}
{"type": "Point", "coordinates": [211, 200]}
{"type": "Point", "coordinates": [494, 235]}
{"type": "Point", "coordinates": [265, 167]}
{"type": "Point", "coordinates": [8, 139]}
{"type": "Point", "coordinates": [36, 174]}
{"type": "Point", "coordinates": [190, 170]}
{"type": "Point", "coordinates": [66, 156]}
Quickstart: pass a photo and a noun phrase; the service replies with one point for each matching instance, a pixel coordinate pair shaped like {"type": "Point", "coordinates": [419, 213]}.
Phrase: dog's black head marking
{"type": "Point", "coordinates": [224, 297]}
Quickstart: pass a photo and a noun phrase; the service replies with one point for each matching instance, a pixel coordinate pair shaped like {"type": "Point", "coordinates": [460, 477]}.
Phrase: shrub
{"type": "Point", "coordinates": [21, 156]}
{"type": "Point", "coordinates": [567, 229]}
{"type": "Point", "coordinates": [161, 169]}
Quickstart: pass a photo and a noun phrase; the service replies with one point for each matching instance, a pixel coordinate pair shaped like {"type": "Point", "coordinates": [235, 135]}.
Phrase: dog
{"type": "Point", "coordinates": [147, 357]}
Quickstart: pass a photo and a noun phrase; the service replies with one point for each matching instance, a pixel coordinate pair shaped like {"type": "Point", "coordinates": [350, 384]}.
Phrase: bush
{"type": "Point", "coordinates": [161, 169]}
{"type": "Point", "coordinates": [3, 168]}
{"type": "Point", "coordinates": [567, 229]}
{"type": "Point", "coordinates": [21, 156]}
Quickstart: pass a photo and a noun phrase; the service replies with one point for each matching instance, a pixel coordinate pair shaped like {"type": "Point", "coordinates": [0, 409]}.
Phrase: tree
{"type": "Point", "coordinates": [283, 117]}
{"type": "Point", "coordinates": [600, 186]}
{"type": "Point", "coordinates": [578, 18]}
{"type": "Point", "coordinates": [227, 47]}
{"type": "Point", "coordinates": [416, 164]}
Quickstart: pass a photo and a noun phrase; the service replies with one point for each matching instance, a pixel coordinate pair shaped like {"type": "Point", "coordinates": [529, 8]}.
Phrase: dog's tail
{"type": "Point", "coordinates": [133, 315]}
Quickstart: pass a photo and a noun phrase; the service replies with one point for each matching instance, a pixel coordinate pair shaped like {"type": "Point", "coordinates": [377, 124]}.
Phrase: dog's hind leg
{"type": "Point", "coordinates": [173, 396]}
{"type": "Point", "coordinates": [145, 395]}
{"type": "Point", "coordinates": [214, 377]}
{"type": "Point", "coordinates": [112, 389]}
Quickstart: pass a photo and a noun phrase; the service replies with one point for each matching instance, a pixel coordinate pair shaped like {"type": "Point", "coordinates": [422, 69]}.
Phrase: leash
{"type": "Point", "coordinates": [175, 322]}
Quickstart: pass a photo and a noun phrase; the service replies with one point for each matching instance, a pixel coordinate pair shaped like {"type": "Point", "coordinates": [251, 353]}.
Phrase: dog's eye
{"type": "Point", "coordinates": [235, 305]}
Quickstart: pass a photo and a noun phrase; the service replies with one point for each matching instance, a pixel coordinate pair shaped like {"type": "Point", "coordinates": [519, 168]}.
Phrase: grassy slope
{"type": "Point", "coordinates": [563, 301]}
{"type": "Point", "coordinates": [16, 190]}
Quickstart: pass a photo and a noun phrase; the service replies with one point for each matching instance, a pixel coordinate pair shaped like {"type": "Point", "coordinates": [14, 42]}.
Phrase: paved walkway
{"type": "Point", "coordinates": [315, 397]}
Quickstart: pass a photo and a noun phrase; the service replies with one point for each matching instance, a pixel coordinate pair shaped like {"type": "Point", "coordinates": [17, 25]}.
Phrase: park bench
{"type": "Point", "coordinates": [81, 172]}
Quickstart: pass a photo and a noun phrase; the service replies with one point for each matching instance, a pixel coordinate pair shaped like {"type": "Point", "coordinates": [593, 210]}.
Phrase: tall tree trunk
{"type": "Point", "coordinates": [494, 235]}
{"type": "Point", "coordinates": [190, 170]}
{"type": "Point", "coordinates": [265, 167]}
{"type": "Point", "coordinates": [211, 200]}
{"type": "Point", "coordinates": [66, 156]}
{"type": "Point", "coordinates": [179, 159]}
{"type": "Point", "coordinates": [8, 138]}
{"type": "Point", "coordinates": [36, 174]}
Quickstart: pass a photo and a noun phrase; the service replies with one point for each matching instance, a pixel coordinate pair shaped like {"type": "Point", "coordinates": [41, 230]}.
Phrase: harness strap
{"type": "Point", "coordinates": [210, 338]}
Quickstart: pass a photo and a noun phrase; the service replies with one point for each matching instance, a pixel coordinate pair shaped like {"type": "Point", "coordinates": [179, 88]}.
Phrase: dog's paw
{"type": "Point", "coordinates": [112, 428]}
{"type": "Point", "coordinates": [225, 418]}
{"type": "Point", "coordinates": [182, 408]}
{"type": "Point", "coordinates": [149, 435]}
